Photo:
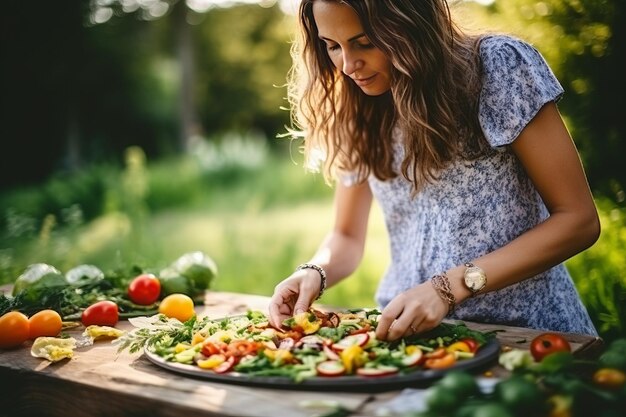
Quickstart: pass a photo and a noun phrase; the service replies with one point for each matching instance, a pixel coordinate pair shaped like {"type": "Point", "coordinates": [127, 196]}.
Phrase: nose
{"type": "Point", "coordinates": [351, 62]}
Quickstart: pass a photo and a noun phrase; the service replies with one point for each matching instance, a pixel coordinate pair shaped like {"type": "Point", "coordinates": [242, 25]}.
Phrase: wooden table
{"type": "Point", "coordinates": [99, 382]}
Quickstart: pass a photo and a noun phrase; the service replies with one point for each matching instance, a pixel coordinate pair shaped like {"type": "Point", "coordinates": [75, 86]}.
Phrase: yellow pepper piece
{"type": "Point", "coordinates": [278, 356]}
{"type": "Point", "coordinates": [212, 361]}
{"type": "Point", "coordinates": [181, 347]}
{"type": "Point", "coordinates": [411, 349]}
{"type": "Point", "coordinates": [351, 358]}
{"type": "Point", "coordinates": [458, 347]}
{"type": "Point", "coordinates": [197, 338]}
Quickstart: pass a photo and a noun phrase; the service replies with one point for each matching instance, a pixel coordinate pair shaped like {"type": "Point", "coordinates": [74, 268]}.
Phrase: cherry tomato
{"type": "Point", "coordinates": [144, 289]}
{"type": "Point", "coordinates": [14, 329]}
{"type": "Point", "coordinates": [547, 343]}
{"type": "Point", "coordinates": [101, 313]}
{"type": "Point", "coordinates": [178, 306]}
{"type": "Point", "coordinates": [45, 323]}
{"type": "Point", "coordinates": [471, 343]}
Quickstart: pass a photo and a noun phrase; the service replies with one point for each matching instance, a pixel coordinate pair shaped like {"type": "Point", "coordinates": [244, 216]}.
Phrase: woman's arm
{"type": "Point", "coordinates": [550, 159]}
{"type": "Point", "coordinates": [547, 153]}
{"type": "Point", "coordinates": [339, 254]}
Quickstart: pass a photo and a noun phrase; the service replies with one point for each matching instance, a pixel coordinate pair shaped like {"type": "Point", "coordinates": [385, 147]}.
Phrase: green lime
{"type": "Point", "coordinates": [492, 410]}
{"type": "Point", "coordinates": [460, 383]}
{"type": "Point", "coordinates": [172, 283]}
{"type": "Point", "coordinates": [441, 400]}
{"type": "Point", "coordinates": [556, 362]}
{"type": "Point", "coordinates": [198, 267]}
{"type": "Point", "coordinates": [36, 279]}
{"type": "Point", "coordinates": [618, 345]}
{"type": "Point", "coordinates": [520, 394]}
{"type": "Point", "coordinates": [613, 358]}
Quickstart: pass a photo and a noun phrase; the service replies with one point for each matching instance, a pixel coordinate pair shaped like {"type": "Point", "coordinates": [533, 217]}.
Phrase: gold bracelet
{"type": "Point", "coordinates": [441, 284]}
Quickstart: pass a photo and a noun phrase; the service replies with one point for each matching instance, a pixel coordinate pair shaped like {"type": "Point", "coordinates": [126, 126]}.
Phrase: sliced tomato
{"type": "Point", "coordinates": [359, 339]}
{"type": "Point", "coordinates": [213, 348]}
{"type": "Point", "coordinates": [413, 359]}
{"type": "Point", "coordinates": [436, 354]}
{"type": "Point", "coordinates": [381, 370]}
{"type": "Point", "coordinates": [330, 368]}
{"type": "Point", "coordinates": [239, 348]}
{"type": "Point", "coordinates": [225, 366]}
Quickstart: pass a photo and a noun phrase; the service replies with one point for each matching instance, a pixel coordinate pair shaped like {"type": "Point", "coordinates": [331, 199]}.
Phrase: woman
{"type": "Point", "coordinates": [459, 139]}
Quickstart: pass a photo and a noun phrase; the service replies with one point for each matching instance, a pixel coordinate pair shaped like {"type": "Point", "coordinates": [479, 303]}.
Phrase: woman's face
{"type": "Point", "coordinates": [349, 49]}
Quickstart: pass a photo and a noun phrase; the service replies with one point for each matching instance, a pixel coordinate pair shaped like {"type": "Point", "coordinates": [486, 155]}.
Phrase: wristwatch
{"type": "Point", "coordinates": [474, 278]}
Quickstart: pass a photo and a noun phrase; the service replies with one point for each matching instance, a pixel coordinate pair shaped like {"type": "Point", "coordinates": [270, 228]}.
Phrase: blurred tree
{"type": "Point", "coordinates": [583, 41]}
{"type": "Point", "coordinates": [82, 81]}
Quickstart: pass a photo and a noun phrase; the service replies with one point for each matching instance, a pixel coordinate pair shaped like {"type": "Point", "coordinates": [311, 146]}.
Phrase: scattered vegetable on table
{"type": "Point", "coordinates": [136, 292]}
{"type": "Point", "coordinates": [546, 381]}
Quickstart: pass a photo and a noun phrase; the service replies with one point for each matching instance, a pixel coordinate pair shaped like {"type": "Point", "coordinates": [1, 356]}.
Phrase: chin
{"type": "Point", "coordinates": [374, 92]}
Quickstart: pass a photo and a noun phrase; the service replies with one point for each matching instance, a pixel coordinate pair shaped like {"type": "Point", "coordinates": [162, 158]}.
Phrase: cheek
{"type": "Point", "coordinates": [336, 60]}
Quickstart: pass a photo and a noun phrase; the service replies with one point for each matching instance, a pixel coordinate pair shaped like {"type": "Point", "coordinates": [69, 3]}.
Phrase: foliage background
{"type": "Point", "coordinates": [134, 131]}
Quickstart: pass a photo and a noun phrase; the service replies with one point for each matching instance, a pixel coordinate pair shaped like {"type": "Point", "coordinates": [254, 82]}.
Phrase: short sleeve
{"type": "Point", "coordinates": [517, 82]}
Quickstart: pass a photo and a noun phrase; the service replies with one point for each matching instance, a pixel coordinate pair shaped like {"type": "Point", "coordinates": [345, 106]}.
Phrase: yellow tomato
{"type": "Point", "coordinates": [177, 306]}
{"type": "Point", "coordinates": [14, 329]}
{"type": "Point", "coordinates": [609, 378]}
{"type": "Point", "coordinates": [458, 347]}
{"type": "Point", "coordinates": [45, 323]}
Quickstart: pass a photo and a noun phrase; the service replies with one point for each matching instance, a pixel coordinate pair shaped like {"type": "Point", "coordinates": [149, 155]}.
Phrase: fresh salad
{"type": "Point", "coordinates": [310, 344]}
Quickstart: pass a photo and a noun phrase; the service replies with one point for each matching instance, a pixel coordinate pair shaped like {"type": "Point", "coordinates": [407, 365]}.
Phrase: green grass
{"type": "Point", "coordinates": [258, 223]}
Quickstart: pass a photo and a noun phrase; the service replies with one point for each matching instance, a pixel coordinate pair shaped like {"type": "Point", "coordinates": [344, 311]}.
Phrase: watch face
{"type": "Point", "coordinates": [475, 278]}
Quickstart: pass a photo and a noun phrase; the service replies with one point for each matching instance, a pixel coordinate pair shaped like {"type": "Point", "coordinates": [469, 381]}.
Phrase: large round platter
{"type": "Point", "coordinates": [418, 378]}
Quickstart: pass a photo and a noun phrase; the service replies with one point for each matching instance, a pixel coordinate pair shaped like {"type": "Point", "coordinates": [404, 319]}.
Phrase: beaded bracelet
{"type": "Point", "coordinates": [322, 275]}
{"type": "Point", "coordinates": [441, 283]}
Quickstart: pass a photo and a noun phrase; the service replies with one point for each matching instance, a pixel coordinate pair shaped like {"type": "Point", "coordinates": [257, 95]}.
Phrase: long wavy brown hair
{"type": "Point", "coordinates": [433, 97]}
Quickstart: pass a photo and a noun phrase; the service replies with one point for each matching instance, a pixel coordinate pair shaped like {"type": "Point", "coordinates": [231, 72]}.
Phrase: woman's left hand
{"type": "Point", "coordinates": [414, 311]}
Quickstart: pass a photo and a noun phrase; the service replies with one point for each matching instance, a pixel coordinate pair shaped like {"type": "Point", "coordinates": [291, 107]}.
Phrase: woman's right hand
{"type": "Point", "coordinates": [294, 295]}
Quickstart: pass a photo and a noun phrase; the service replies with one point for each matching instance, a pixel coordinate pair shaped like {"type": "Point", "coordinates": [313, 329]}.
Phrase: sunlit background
{"type": "Point", "coordinates": [137, 130]}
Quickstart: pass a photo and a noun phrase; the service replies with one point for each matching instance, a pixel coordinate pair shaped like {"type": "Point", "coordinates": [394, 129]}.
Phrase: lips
{"type": "Point", "coordinates": [362, 82]}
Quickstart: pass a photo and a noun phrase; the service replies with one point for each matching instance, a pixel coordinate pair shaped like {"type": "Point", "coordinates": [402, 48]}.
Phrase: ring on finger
{"type": "Point", "coordinates": [413, 328]}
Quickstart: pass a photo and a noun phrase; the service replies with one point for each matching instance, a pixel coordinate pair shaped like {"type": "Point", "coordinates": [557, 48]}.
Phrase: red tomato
{"type": "Point", "coordinates": [144, 289]}
{"type": "Point", "coordinates": [102, 313]}
{"type": "Point", "coordinates": [471, 343]}
{"type": "Point", "coordinates": [547, 343]}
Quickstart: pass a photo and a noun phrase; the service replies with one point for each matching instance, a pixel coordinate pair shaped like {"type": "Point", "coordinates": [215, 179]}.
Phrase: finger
{"type": "Point", "coordinates": [303, 304]}
{"type": "Point", "coordinates": [413, 329]}
{"type": "Point", "coordinates": [386, 323]}
{"type": "Point", "coordinates": [280, 306]}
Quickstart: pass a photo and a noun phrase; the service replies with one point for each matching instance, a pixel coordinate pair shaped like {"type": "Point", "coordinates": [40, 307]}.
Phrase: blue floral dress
{"type": "Point", "coordinates": [480, 205]}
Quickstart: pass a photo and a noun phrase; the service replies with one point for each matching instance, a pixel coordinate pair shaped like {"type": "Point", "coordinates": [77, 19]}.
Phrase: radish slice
{"type": "Point", "coordinates": [225, 366]}
{"type": "Point", "coordinates": [381, 370]}
{"type": "Point", "coordinates": [413, 359]}
{"type": "Point", "coordinates": [359, 339]}
{"type": "Point", "coordinates": [287, 343]}
{"type": "Point", "coordinates": [330, 354]}
{"type": "Point", "coordinates": [330, 368]}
